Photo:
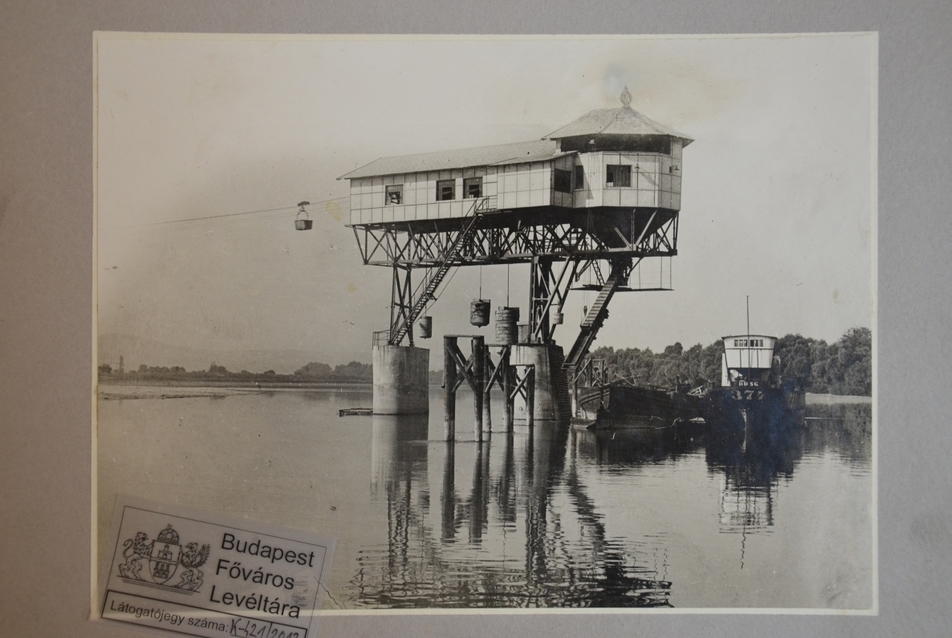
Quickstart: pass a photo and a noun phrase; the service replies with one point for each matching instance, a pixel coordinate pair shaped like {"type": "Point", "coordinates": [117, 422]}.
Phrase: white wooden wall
{"type": "Point", "coordinates": [655, 183]}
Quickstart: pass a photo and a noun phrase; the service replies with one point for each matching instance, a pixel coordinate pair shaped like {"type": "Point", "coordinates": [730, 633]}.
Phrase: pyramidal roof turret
{"type": "Point", "coordinates": [619, 122]}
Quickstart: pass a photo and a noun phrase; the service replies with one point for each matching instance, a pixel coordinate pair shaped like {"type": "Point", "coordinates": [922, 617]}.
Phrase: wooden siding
{"type": "Point", "coordinates": [655, 183]}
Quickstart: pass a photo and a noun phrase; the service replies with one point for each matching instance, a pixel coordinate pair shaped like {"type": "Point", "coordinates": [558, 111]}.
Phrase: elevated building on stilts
{"type": "Point", "coordinates": [596, 197]}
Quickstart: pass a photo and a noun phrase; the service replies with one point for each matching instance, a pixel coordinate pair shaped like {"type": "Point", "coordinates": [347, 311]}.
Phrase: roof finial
{"type": "Point", "coordinates": [626, 98]}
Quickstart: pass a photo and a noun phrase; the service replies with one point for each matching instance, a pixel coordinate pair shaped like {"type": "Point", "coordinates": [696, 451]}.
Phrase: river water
{"type": "Point", "coordinates": [548, 517]}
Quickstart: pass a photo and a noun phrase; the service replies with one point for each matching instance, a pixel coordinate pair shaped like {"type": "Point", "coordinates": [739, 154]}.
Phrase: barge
{"type": "Point", "coordinates": [751, 390]}
{"type": "Point", "coordinates": [620, 404]}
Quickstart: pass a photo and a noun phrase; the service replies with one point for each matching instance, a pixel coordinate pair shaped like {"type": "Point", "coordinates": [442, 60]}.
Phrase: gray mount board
{"type": "Point", "coordinates": [46, 239]}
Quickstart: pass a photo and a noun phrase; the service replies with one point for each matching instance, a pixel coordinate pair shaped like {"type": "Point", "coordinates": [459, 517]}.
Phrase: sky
{"type": "Point", "coordinates": [204, 145]}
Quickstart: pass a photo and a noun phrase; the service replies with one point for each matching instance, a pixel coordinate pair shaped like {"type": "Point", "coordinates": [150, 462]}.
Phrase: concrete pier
{"type": "Point", "coordinates": [401, 380]}
{"type": "Point", "coordinates": [547, 362]}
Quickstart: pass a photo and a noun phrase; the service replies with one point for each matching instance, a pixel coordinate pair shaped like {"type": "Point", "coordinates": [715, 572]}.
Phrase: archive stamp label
{"type": "Point", "coordinates": [187, 572]}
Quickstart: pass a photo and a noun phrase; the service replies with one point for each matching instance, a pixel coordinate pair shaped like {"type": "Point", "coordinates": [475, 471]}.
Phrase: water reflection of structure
{"type": "Point", "coordinates": [519, 521]}
{"type": "Point", "coordinates": [516, 527]}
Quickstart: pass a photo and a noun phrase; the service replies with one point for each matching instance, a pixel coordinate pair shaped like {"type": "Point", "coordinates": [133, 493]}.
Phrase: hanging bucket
{"type": "Point", "coordinates": [523, 333]}
{"type": "Point", "coordinates": [425, 327]}
{"type": "Point", "coordinates": [507, 331]}
{"type": "Point", "coordinates": [479, 312]}
{"type": "Point", "coordinates": [303, 223]}
{"type": "Point", "coordinates": [556, 317]}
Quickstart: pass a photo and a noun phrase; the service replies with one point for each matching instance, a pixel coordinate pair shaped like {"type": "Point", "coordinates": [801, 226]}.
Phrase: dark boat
{"type": "Point", "coordinates": [751, 392]}
{"type": "Point", "coordinates": [621, 404]}
{"type": "Point", "coordinates": [751, 389]}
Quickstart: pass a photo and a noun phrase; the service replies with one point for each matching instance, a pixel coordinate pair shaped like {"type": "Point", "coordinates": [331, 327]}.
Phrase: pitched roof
{"type": "Point", "coordinates": [621, 121]}
{"type": "Point", "coordinates": [518, 153]}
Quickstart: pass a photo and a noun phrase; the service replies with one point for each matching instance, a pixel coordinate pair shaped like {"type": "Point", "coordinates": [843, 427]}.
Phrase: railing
{"type": "Point", "coordinates": [426, 289]}
{"type": "Point", "coordinates": [592, 373]}
{"type": "Point", "coordinates": [486, 204]}
{"type": "Point", "coordinates": [593, 322]}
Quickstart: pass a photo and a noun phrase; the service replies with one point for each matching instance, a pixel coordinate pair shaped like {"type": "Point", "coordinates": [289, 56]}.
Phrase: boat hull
{"type": "Point", "coordinates": [622, 405]}
{"type": "Point", "coordinates": [751, 404]}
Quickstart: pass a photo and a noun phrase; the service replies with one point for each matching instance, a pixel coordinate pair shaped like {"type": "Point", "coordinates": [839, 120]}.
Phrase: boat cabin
{"type": "Point", "coordinates": [606, 158]}
{"type": "Point", "coordinates": [747, 360]}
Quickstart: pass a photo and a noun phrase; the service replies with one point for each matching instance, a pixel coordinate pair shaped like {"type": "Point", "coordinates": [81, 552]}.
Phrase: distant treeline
{"type": "Point", "coordinates": [353, 372]}
{"type": "Point", "coordinates": [844, 367]}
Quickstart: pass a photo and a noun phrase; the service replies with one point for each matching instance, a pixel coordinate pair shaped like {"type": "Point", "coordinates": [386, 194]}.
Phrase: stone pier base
{"type": "Point", "coordinates": [550, 386]}
{"type": "Point", "coordinates": [401, 380]}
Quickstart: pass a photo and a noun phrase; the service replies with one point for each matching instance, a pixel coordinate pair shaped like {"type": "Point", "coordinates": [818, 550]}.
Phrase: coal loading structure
{"type": "Point", "coordinates": [595, 198]}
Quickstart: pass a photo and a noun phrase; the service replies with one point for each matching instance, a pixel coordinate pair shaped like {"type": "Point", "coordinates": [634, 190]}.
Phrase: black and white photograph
{"type": "Point", "coordinates": [520, 322]}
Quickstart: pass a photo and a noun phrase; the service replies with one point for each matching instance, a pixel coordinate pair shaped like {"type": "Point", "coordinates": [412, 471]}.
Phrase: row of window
{"type": "Point", "coordinates": [754, 343]}
{"type": "Point", "coordinates": [616, 176]}
{"type": "Point", "coordinates": [445, 190]}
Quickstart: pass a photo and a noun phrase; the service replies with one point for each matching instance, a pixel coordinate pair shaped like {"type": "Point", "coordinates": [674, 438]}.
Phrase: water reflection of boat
{"type": "Point", "coordinates": [636, 445]}
{"type": "Point", "coordinates": [752, 461]}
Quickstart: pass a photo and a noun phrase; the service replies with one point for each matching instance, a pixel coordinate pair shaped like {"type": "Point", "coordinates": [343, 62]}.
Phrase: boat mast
{"type": "Point", "coordinates": [748, 336]}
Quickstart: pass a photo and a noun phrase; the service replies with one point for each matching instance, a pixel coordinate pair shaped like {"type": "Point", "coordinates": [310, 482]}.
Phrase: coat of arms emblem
{"type": "Point", "coordinates": [164, 556]}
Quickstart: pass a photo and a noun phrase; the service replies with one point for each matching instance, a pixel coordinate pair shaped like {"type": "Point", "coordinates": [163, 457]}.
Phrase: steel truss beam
{"type": "Point", "coordinates": [578, 241]}
{"type": "Point", "coordinates": [420, 244]}
{"type": "Point", "coordinates": [401, 299]}
{"type": "Point", "coordinates": [548, 289]}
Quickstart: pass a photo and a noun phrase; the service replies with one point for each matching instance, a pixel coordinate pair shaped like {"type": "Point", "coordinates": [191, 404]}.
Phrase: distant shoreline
{"type": "Point", "coordinates": [828, 399]}
{"type": "Point", "coordinates": [228, 383]}
{"type": "Point", "coordinates": [206, 389]}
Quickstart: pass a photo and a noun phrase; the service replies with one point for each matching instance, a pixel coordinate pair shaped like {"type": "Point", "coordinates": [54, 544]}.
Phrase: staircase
{"type": "Point", "coordinates": [593, 321]}
{"type": "Point", "coordinates": [560, 384]}
{"type": "Point", "coordinates": [435, 276]}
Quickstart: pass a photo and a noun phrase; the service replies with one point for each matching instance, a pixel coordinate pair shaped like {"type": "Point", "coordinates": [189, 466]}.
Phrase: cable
{"type": "Point", "coordinates": [225, 215]}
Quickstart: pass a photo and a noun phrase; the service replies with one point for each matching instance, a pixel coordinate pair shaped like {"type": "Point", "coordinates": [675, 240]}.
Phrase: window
{"type": "Point", "coordinates": [754, 343]}
{"type": "Point", "coordinates": [579, 177]}
{"type": "Point", "coordinates": [472, 187]}
{"type": "Point", "coordinates": [562, 180]}
{"type": "Point", "coordinates": [445, 190]}
{"type": "Point", "coordinates": [618, 176]}
{"type": "Point", "coordinates": [395, 194]}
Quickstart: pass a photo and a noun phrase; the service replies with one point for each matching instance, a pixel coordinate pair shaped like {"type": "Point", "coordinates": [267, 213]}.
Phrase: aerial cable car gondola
{"type": "Point", "coordinates": [304, 223]}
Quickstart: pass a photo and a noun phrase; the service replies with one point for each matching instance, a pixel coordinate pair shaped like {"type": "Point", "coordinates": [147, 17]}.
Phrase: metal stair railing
{"type": "Point", "coordinates": [426, 290]}
{"type": "Point", "coordinates": [592, 322]}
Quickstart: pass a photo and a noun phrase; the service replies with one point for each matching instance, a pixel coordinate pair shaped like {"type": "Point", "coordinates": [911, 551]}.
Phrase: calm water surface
{"type": "Point", "coordinates": [552, 517]}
